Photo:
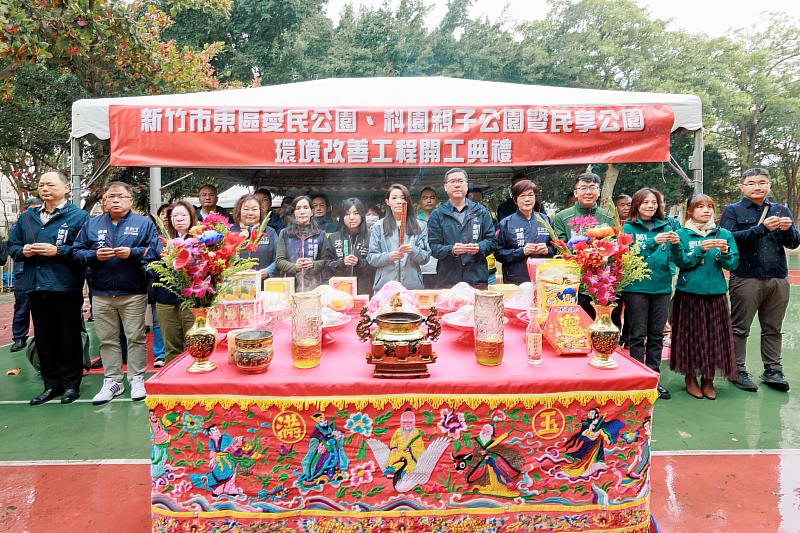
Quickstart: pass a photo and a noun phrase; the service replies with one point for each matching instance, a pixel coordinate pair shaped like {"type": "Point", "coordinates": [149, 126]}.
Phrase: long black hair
{"type": "Point", "coordinates": [292, 227]}
{"type": "Point", "coordinates": [412, 226]}
{"type": "Point", "coordinates": [361, 209]}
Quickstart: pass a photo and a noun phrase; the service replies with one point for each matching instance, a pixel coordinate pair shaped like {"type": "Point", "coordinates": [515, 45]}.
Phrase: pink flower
{"type": "Point", "coordinates": [361, 474]}
{"type": "Point", "coordinates": [586, 221]}
{"type": "Point", "coordinates": [182, 259]}
{"type": "Point", "coordinates": [451, 423]}
{"type": "Point", "coordinates": [215, 218]}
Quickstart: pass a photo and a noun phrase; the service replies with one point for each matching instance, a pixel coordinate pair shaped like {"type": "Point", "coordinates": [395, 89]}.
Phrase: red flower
{"type": "Point", "coordinates": [182, 259]}
{"type": "Point", "coordinates": [625, 239]}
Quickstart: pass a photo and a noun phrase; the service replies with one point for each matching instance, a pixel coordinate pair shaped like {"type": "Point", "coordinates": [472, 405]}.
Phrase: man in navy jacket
{"type": "Point", "coordinates": [461, 235]}
{"type": "Point", "coordinates": [117, 245]}
{"type": "Point", "coordinates": [42, 240]}
{"type": "Point", "coordinates": [762, 229]}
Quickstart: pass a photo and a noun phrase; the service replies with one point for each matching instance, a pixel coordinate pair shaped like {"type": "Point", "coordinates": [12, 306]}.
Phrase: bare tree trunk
{"type": "Point", "coordinates": [610, 181]}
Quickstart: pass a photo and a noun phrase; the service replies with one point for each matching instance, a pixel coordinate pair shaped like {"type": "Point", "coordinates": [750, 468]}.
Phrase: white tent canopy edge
{"type": "Point", "coordinates": [90, 116]}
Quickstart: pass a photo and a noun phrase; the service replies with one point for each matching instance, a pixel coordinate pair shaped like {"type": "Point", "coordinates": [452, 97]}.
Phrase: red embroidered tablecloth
{"type": "Point", "coordinates": [561, 446]}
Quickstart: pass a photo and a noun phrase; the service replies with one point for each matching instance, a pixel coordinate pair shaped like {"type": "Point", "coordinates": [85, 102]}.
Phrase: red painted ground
{"type": "Point", "coordinates": [88, 498]}
{"type": "Point", "coordinates": [691, 494]}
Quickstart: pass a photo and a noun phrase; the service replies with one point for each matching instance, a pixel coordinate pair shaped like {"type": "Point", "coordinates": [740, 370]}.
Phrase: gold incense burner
{"type": "Point", "coordinates": [400, 349]}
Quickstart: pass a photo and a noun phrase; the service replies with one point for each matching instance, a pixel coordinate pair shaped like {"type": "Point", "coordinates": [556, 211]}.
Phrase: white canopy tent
{"type": "Point", "coordinates": [90, 117]}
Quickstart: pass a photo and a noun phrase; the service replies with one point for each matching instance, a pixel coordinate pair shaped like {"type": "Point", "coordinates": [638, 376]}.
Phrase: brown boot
{"type": "Point", "coordinates": [708, 388]}
{"type": "Point", "coordinates": [693, 388]}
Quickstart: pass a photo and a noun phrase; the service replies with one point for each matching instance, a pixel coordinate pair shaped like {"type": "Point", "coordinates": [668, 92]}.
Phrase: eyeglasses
{"type": "Point", "coordinates": [588, 189]}
{"type": "Point", "coordinates": [456, 182]}
{"type": "Point", "coordinates": [528, 195]}
{"type": "Point", "coordinates": [118, 197]}
{"type": "Point", "coordinates": [756, 183]}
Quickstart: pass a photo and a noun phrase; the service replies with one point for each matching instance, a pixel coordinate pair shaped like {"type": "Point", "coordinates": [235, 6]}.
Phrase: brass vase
{"type": "Point", "coordinates": [604, 336]}
{"type": "Point", "coordinates": [200, 341]}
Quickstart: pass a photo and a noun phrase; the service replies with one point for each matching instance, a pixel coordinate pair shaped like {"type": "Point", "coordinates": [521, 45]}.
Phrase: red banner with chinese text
{"type": "Point", "coordinates": [237, 137]}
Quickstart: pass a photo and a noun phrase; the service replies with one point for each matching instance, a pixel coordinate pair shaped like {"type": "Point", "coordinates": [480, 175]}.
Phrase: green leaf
{"type": "Point", "coordinates": [343, 414]}
{"type": "Point", "coordinates": [276, 468]}
{"type": "Point", "coordinates": [283, 477]}
{"type": "Point", "coordinates": [200, 462]}
{"type": "Point", "coordinates": [169, 488]}
{"type": "Point", "coordinates": [467, 440]}
{"type": "Point", "coordinates": [381, 419]}
{"type": "Point", "coordinates": [418, 490]}
{"type": "Point", "coordinates": [563, 488]}
{"type": "Point", "coordinates": [536, 477]}
{"type": "Point", "coordinates": [348, 439]}
{"type": "Point", "coordinates": [176, 450]}
{"type": "Point", "coordinates": [375, 490]}
{"type": "Point", "coordinates": [341, 491]}
{"type": "Point", "coordinates": [469, 417]}
{"type": "Point", "coordinates": [209, 416]}
{"type": "Point", "coordinates": [248, 414]}
{"type": "Point", "coordinates": [224, 425]}
{"type": "Point", "coordinates": [429, 418]}
{"type": "Point", "coordinates": [456, 446]}
{"type": "Point", "coordinates": [200, 447]}
{"type": "Point", "coordinates": [379, 431]}
{"type": "Point", "coordinates": [514, 415]}
{"type": "Point", "coordinates": [362, 451]}
{"type": "Point", "coordinates": [356, 494]}
{"type": "Point", "coordinates": [181, 462]}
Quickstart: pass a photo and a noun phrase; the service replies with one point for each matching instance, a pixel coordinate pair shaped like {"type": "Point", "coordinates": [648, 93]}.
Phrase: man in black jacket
{"type": "Point", "coordinates": [762, 229]}
{"type": "Point", "coordinates": [461, 234]}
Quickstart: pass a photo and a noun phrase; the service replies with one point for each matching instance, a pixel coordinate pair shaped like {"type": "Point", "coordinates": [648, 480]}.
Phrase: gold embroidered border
{"type": "Point", "coordinates": [396, 401]}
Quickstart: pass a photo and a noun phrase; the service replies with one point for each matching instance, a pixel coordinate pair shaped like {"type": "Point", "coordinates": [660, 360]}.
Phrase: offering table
{"type": "Point", "coordinates": [560, 446]}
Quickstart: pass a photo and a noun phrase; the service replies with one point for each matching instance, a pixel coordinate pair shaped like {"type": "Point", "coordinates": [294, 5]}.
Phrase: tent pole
{"type": "Point", "coordinates": [155, 189]}
{"type": "Point", "coordinates": [696, 163]}
{"type": "Point", "coordinates": [76, 168]}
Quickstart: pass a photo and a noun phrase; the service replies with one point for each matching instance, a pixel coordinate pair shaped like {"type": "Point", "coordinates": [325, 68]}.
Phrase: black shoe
{"type": "Point", "coordinates": [774, 379]}
{"type": "Point", "coordinates": [45, 396]}
{"type": "Point", "coordinates": [97, 363]}
{"type": "Point", "coordinates": [663, 393]}
{"type": "Point", "coordinates": [70, 395]}
{"type": "Point", "coordinates": [744, 382]}
{"type": "Point", "coordinates": [18, 345]}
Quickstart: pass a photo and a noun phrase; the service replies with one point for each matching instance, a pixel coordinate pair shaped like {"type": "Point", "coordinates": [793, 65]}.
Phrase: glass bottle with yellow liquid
{"type": "Point", "coordinates": [306, 329]}
{"type": "Point", "coordinates": [489, 328]}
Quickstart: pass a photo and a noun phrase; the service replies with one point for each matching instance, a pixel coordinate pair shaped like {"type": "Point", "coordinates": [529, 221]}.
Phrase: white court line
{"type": "Point", "coordinates": [58, 402]}
{"type": "Point", "coordinates": [787, 451]}
{"type": "Point", "coordinates": [69, 462]}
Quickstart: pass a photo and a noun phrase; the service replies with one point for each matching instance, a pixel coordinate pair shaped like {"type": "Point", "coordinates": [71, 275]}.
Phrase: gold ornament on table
{"type": "Point", "coordinates": [200, 341]}
{"type": "Point", "coordinates": [604, 336]}
{"type": "Point", "coordinates": [400, 349]}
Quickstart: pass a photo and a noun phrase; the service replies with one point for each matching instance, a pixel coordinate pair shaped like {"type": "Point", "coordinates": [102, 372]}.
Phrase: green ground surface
{"type": "Point", "coordinates": [737, 420]}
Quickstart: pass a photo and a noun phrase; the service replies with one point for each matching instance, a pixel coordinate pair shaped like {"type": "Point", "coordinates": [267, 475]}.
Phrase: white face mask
{"type": "Point", "coordinates": [371, 220]}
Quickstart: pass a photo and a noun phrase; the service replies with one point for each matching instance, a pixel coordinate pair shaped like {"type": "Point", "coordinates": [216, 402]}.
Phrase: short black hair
{"type": "Point", "coordinates": [755, 171]}
{"type": "Point", "coordinates": [620, 197]}
{"type": "Point", "coordinates": [475, 189]}
{"type": "Point", "coordinates": [455, 170]}
{"type": "Point", "coordinates": [266, 192]}
{"type": "Point", "coordinates": [428, 189]}
{"type": "Point", "coordinates": [587, 177]}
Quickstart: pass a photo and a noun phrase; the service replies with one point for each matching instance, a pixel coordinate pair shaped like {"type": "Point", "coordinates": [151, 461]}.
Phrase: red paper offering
{"type": "Point", "coordinates": [567, 330]}
{"type": "Point", "coordinates": [403, 226]}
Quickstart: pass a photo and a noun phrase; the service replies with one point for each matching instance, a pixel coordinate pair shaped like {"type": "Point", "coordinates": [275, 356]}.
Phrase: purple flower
{"type": "Point", "coordinates": [451, 423]}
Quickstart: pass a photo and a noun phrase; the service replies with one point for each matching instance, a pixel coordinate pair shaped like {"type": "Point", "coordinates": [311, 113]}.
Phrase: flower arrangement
{"type": "Point", "coordinates": [198, 267]}
{"type": "Point", "coordinates": [608, 258]}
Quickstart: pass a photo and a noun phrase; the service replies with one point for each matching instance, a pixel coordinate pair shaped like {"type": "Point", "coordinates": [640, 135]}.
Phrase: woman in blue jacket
{"type": "Point", "coordinates": [300, 247]}
{"type": "Point", "coordinates": [520, 235]}
{"type": "Point", "coordinates": [248, 215]}
{"type": "Point", "coordinates": [395, 260]}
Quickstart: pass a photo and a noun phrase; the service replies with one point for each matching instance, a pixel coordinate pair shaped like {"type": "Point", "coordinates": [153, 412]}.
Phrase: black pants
{"type": "Point", "coordinates": [22, 315]}
{"type": "Point", "coordinates": [57, 320]}
{"type": "Point", "coordinates": [646, 315]}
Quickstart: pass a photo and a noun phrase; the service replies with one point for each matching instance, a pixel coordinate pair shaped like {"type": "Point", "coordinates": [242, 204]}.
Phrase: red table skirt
{"type": "Point", "coordinates": [557, 447]}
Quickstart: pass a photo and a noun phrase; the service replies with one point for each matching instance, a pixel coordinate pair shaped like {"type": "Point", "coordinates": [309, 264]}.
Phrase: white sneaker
{"type": "Point", "coordinates": [137, 388]}
{"type": "Point", "coordinates": [110, 390]}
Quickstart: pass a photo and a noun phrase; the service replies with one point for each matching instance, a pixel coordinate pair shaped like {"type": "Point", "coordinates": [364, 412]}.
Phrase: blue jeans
{"type": "Point", "coordinates": [158, 342]}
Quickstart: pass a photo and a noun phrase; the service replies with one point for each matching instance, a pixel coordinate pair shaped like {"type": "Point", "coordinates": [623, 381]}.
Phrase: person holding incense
{"type": "Point", "coordinates": [462, 234]}
{"type": "Point", "coordinates": [347, 248]}
{"type": "Point", "coordinates": [398, 243]}
{"type": "Point", "coordinates": [523, 234]}
{"type": "Point", "coordinates": [300, 247]}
